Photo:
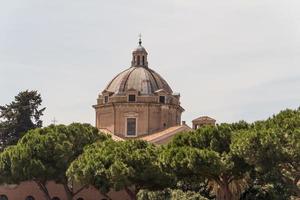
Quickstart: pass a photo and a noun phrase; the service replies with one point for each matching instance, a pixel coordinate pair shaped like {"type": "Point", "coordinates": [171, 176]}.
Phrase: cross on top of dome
{"type": "Point", "coordinates": [140, 39]}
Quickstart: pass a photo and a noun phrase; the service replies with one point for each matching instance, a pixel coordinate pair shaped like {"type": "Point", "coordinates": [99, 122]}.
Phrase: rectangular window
{"type": "Point", "coordinates": [131, 126]}
{"type": "Point", "coordinates": [131, 98]}
{"type": "Point", "coordinates": [162, 99]}
{"type": "Point", "coordinates": [106, 99]}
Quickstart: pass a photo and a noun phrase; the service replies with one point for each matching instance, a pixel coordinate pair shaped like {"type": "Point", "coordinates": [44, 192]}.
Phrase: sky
{"type": "Point", "coordinates": [231, 60]}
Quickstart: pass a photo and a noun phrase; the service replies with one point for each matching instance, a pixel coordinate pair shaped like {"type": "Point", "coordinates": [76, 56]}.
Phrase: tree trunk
{"type": "Point", "coordinates": [131, 194]}
{"type": "Point", "coordinates": [44, 189]}
{"type": "Point", "coordinates": [225, 193]}
{"type": "Point", "coordinates": [69, 193]}
{"type": "Point", "coordinates": [106, 196]}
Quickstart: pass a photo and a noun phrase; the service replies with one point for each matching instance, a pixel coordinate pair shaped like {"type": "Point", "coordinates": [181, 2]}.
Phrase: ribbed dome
{"type": "Point", "coordinates": [142, 79]}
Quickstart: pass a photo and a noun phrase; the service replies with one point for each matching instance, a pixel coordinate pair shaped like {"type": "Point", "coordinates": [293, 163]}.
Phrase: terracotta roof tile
{"type": "Point", "coordinates": [204, 118]}
{"type": "Point", "coordinates": [114, 137]}
{"type": "Point", "coordinates": [156, 137]}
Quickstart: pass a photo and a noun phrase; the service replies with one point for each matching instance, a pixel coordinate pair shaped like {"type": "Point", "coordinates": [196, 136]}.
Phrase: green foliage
{"type": "Point", "coordinates": [169, 194]}
{"type": "Point", "coordinates": [187, 161]}
{"type": "Point", "coordinates": [216, 138]}
{"type": "Point", "coordinates": [266, 192]}
{"type": "Point", "coordinates": [192, 183]}
{"type": "Point", "coordinates": [273, 148]}
{"type": "Point", "coordinates": [20, 116]}
{"type": "Point", "coordinates": [130, 165]}
{"type": "Point", "coordinates": [206, 155]}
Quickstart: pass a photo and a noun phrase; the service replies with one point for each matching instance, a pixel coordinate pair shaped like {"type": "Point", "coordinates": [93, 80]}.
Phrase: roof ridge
{"type": "Point", "coordinates": [161, 133]}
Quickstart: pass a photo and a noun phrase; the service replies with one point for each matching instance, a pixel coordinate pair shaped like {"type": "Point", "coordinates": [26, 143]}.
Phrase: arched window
{"type": "Point", "coordinates": [30, 198]}
{"type": "Point", "coordinates": [138, 60]}
{"type": "Point", "coordinates": [143, 60]}
{"type": "Point", "coordinates": [55, 198]}
{"type": "Point", "coordinates": [3, 197]}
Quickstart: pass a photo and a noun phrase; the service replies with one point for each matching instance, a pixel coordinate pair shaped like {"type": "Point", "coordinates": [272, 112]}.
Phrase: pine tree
{"type": "Point", "coordinates": [19, 116]}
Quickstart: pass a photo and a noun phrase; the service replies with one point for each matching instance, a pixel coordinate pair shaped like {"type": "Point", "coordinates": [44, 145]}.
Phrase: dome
{"type": "Point", "coordinates": [140, 48]}
{"type": "Point", "coordinates": [138, 101]}
{"type": "Point", "coordinates": [143, 80]}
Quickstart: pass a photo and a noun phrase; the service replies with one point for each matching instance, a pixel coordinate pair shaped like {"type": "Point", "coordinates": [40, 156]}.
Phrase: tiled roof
{"type": "Point", "coordinates": [114, 137]}
{"type": "Point", "coordinates": [204, 118]}
{"type": "Point", "coordinates": [165, 134]}
{"type": "Point", "coordinates": [155, 138]}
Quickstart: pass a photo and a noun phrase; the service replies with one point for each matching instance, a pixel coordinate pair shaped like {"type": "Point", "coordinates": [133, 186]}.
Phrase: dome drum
{"type": "Point", "coordinates": [106, 98]}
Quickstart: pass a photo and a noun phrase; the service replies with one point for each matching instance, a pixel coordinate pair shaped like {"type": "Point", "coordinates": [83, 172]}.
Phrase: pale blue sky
{"type": "Point", "coordinates": [232, 60]}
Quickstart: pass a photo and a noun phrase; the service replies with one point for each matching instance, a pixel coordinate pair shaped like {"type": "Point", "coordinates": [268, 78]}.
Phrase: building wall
{"type": "Point", "coordinates": [154, 118]}
{"type": "Point", "coordinates": [105, 118]}
{"type": "Point", "coordinates": [151, 117]}
{"type": "Point", "coordinates": [124, 111]}
{"type": "Point", "coordinates": [29, 188]}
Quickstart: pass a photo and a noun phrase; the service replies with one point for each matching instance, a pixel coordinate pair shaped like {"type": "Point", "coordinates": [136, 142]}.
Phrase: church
{"type": "Point", "coordinates": [137, 103]}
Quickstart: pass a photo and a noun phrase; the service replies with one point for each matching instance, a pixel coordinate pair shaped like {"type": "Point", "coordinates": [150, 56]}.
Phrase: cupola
{"type": "Point", "coordinates": [139, 56]}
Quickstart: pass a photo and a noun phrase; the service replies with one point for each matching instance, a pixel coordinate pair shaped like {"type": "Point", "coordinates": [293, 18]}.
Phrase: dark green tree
{"type": "Point", "coordinates": [130, 165]}
{"type": "Point", "coordinates": [273, 148]}
{"type": "Point", "coordinates": [20, 116]}
{"type": "Point", "coordinates": [169, 194]}
{"type": "Point", "coordinates": [193, 184]}
{"type": "Point", "coordinates": [265, 192]}
{"type": "Point", "coordinates": [206, 155]}
{"type": "Point", "coordinates": [44, 155]}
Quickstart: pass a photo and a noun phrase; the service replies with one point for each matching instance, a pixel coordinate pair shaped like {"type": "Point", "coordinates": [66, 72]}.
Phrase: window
{"type": "Point", "coordinates": [131, 98]}
{"type": "Point", "coordinates": [131, 126]}
{"type": "Point", "coordinates": [80, 198]}
{"type": "Point", "coordinates": [143, 60]}
{"type": "Point", "coordinates": [138, 60]}
{"type": "Point", "coordinates": [162, 99]}
{"type": "Point", "coordinates": [55, 198]}
{"type": "Point", "coordinates": [106, 99]}
{"type": "Point", "coordinates": [3, 197]}
{"type": "Point", "coordinates": [30, 198]}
